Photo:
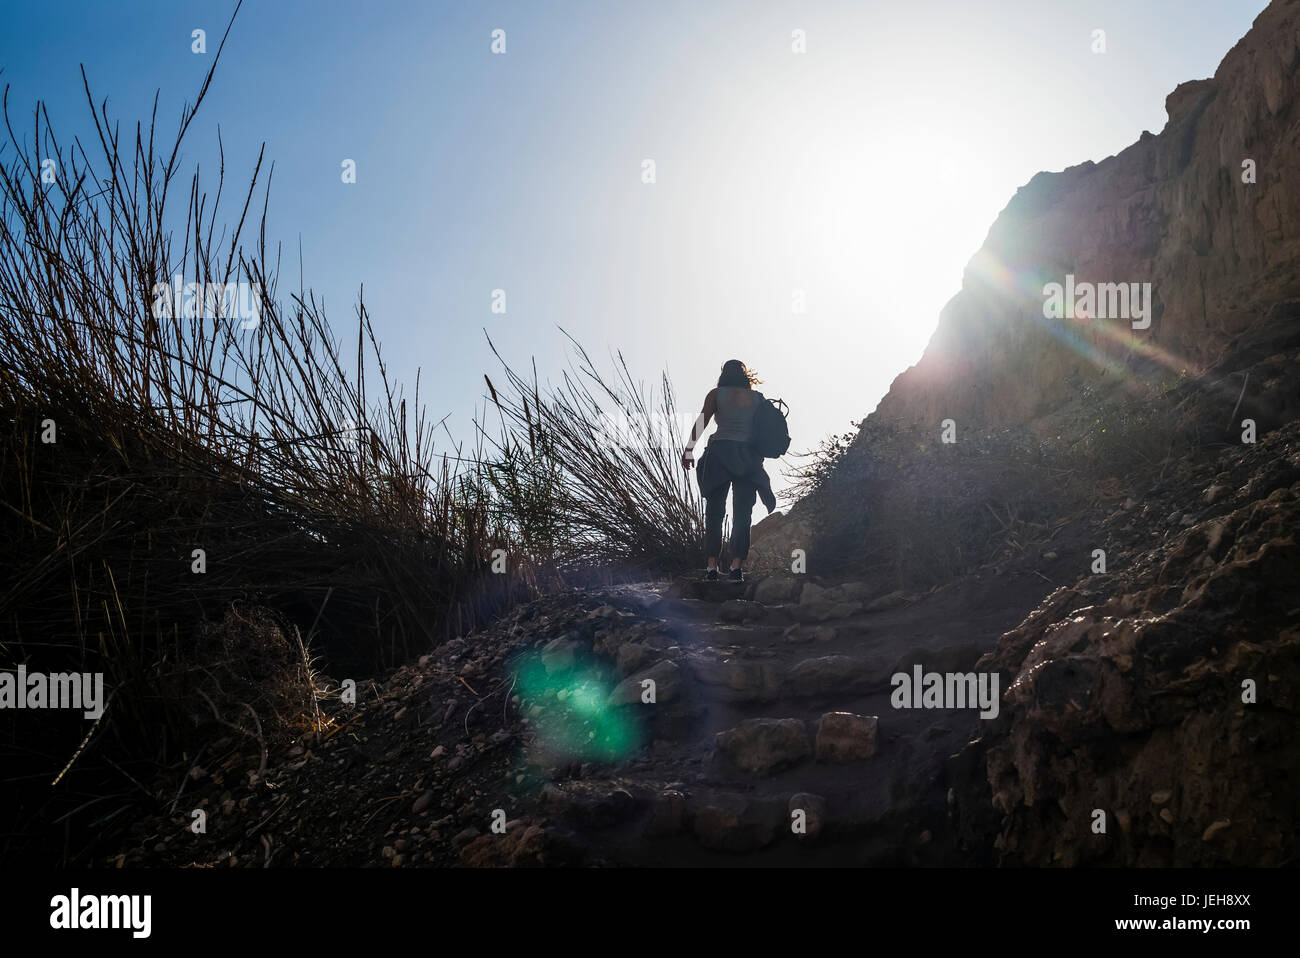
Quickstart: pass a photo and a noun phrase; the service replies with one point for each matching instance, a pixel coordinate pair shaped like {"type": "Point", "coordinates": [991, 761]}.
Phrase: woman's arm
{"type": "Point", "coordinates": [701, 424]}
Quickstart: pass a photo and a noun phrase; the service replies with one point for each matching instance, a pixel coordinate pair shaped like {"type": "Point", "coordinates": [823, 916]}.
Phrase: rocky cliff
{"type": "Point", "coordinates": [1148, 698]}
{"type": "Point", "coordinates": [1172, 210]}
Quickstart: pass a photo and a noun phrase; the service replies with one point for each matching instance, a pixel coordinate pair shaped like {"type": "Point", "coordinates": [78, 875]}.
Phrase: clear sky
{"type": "Point", "coordinates": [861, 174]}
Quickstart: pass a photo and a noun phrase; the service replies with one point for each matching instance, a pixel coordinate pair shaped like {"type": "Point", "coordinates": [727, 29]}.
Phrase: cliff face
{"type": "Point", "coordinates": [1171, 210]}
{"type": "Point", "coordinates": [1159, 687]}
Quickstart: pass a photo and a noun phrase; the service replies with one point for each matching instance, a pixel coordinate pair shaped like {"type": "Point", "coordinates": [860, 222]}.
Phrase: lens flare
{"type": "Point", "coordinates": [570, 712]}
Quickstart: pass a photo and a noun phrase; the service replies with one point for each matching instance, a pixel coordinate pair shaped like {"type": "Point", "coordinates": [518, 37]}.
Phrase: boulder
{"type": "Point", "coordinates": [845, 737]}
{"type": "Point", "coordinates": [824, 675]}
{"type": "Point", "coordinates": [631, 657]}
{"type": "Point", "coordinates": [778, 589]}
{"type": "Point", "coordinates": [765, 745]}
{"type": "Point", "coordinates": [733, 823]}
{"type": "Point", "coordinates": [560, 654]}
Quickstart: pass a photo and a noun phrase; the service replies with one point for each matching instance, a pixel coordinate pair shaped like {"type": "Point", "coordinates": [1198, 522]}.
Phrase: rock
{"type": "Point", "coordinates": [764, 745]}
{"type": "Point", "coordinates": [523, 844]}
{"type": "Point", "coordinates": [818, 604]}
{"type": "Point", "coordinates": [844, 737]}
{"type": "Point", "coordinates": [890, 601]}
{"type": "Point", "coordinates": [594, 804]}
{"type": "Point", "coordinates": [464, 837]}
{"type": "Point", "coordinates": [740, 610]}
{"type": "Point", "coordinates": [741, 680]}
{"type": "Point", "coordinates": [825, 674]}
{"type": "Point", "coordinates": [797, 635]}
{"type": "Point", "coordinates": [438, 752]}
{"type": "Point", "coordinates": [814, 809]}
{"type": "Point", "coordinates": [1161, 797]}
{"type": "Point", "coordinates": [732, 823]}
{"type": "Point", "coordinates": [609, 641]}
{"type": "Point", "coordinates": [631, 657]}
{"type": "Point", "coordinates": [667, 683]}
{"type": "Point", "coordinates": [778, 589]}
{"type": "Point", "coordinates": [559, 654]}
{"type": "Point", "coordinates": [1214, 829]}
{"type": "Point", "coordinates": [1166, 816]}
{"type": "Point", "coordinates": [422, 803]}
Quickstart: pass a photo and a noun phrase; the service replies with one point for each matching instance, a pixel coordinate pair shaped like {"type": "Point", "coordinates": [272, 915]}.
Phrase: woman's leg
{"type": "Point", "coordinates": [715, 508]}
{"type": "Point", "coordinates": [742, 506]}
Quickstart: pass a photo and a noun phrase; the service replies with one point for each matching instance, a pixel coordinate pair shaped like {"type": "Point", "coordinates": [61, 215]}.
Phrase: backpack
{"type": "Point", "coordinates": [771, 436]}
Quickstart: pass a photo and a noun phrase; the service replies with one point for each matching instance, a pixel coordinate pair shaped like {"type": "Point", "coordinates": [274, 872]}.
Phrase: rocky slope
{"type": "Point", "coordinates": [1124, 689]}
{"type": "Point", "coordinates": [771, 699]}
{"type": "Point", "coordinates": [1170, 210]}
{"type": "Point", "coordinates": [773, 736]}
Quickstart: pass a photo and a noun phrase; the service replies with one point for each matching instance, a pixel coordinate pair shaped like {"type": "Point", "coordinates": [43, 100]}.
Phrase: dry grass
{"type": "Point", "coordinates": [279, 450]}
{"type": "Point", "coordinates": [590, 472]}
{"type": "Point", "coordinates": [327, 520]}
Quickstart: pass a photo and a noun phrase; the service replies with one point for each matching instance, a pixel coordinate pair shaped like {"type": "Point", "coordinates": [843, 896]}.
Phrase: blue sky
{"type": "Point", "coordinates": [860, 175]}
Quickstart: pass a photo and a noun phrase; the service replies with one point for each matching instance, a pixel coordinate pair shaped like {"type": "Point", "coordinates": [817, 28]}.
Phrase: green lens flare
{"type": "Point", "coordinates": [569, 710]}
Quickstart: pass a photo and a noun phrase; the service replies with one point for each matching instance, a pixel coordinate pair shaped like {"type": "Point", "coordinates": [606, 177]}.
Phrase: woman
{"type": "Point", "coordinates": [730, 461]}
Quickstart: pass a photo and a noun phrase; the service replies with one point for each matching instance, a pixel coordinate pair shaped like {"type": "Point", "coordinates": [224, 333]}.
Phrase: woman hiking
{"type": "Point", "coordinates": [730, 461]}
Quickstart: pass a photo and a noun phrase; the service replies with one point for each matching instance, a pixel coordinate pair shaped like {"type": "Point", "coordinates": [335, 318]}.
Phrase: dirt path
{"type": "Point", "coordinates": [539, 724]}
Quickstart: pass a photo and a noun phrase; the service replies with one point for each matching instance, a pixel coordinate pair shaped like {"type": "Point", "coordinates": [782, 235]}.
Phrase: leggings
{"type": "Point", "coordinates": [715, 507]}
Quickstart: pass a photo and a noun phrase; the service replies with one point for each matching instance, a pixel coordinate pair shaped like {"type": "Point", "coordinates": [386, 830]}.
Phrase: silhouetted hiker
{"type": "Point", "coordinates": [730, 460]}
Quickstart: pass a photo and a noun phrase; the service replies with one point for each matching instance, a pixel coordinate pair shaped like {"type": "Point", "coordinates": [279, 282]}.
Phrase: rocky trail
{"type": "Point", "coordinates": [772, 738]}
{"type": "Point", "coordinates": [769, 696]}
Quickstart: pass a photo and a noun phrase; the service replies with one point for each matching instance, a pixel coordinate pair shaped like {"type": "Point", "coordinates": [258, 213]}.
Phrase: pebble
{"type": "Point", "coordinates": [1215, 828]}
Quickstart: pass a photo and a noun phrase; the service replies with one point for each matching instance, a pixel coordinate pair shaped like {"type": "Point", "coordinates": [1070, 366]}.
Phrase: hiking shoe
{"type": "Point", "coordinates": [711, 575]}
{"type": "Point", "coordinates": [735, 575]}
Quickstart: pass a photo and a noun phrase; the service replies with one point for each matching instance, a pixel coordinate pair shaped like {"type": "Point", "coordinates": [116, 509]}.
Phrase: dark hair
{"type": "Point", "coordinates": [736, 373]}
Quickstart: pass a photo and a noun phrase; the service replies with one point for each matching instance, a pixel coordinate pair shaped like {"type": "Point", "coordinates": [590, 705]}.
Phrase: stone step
{"type": "Point", "coordinates": [763, 746]}
{"type": "Point", "coordinates": [734, 679]}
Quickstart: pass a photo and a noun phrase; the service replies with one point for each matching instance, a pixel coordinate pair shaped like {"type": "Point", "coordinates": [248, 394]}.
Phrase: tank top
{"type": "Point", "coordinates": [736, 406]}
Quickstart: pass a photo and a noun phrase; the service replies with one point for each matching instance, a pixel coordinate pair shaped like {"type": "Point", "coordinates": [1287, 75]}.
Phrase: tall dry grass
{"type": "Point", "coordinates": [332, 529]}
{"type": "Point", "coordinates": [589, 471]}
{"type": "Point", "coordinates": [279, 449]}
